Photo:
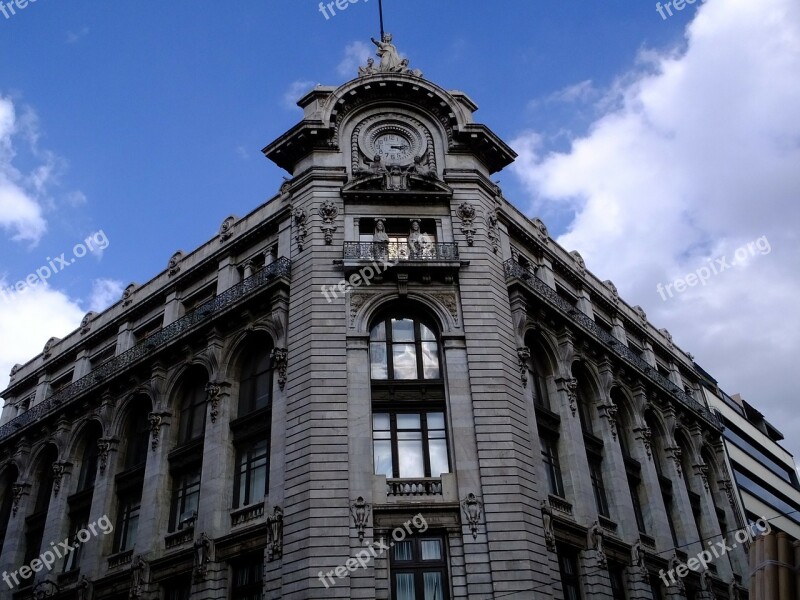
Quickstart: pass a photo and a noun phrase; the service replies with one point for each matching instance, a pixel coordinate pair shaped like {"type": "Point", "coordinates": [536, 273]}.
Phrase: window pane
{"type": "Point", "coordinates": [410, 457]}
{"type": "Point", "coordinates": [438, 457]}
{"type": "Point", "coordinates": [403, 550]}
{"type": "Point", "coordinates": [433, 586]}
{"type": "Point", "coordinates": [378, 333]}
{"type": "Point", "coordinates": [404, 359]}
{"type": "Point", "coordinates": [405, 586]}
{"type": "Point", "coordinates": [430, 360]}
{"type": "Point", "coordinates": [408, 422]}
{"type": "Point", "coordinates": [380, 422]}
{"type": "Point", "coordinates": [402, 330]}
{"type": "Point", "coordinates": [431, 549]}
{"type": "Point", "coordinates": [383, 458]}
{"type": "Point", "coordinates": [435, 421]}
{"type": "Point", "coordinates": [426, 335]}
{"type": "Point", "coordinates": [378, 365]}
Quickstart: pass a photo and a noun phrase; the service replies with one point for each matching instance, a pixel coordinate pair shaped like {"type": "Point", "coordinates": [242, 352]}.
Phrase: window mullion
{"type": "Point", "coordinates": [393, 436]}
{"type": "Point", "coordinates": [426, 456]}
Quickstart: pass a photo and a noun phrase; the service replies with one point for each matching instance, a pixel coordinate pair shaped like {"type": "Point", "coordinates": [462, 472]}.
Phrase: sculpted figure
{"type": "Point", "coordinates": [380, 234]}
{"type": "Point", "coordinates": [390, 58]}
{"type": "Point", "coordinates": [368, 70]}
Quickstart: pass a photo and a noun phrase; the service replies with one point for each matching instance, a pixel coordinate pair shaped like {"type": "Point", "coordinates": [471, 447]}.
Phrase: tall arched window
{"type": "Point", "coordinates": [193, 406]}
{"type": "Point", "coordinates": [34, 524]}
{"type": "Point", "coordinates": [130, 482]}
{"type": "Point", "coordinates": [409, 410]}
{"type": "Point", "coordinates": [252, 429]}
{"type": "Point", "coordinates": [633, 468]}
{"type": "Point", "coordinates": [80, 503]}
{"type": "Point", "coordinates": [594, 446]}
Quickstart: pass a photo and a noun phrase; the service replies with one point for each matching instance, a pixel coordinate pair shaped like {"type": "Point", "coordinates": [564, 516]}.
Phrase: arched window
{"type": "Point", "coordinates": [193, 406]}
{"type": "Point", "coordinates": [255, 383]}
{"type": "Point", "coordinates": [130, 482]}
{"type": "Point", "coordinates": [79, 504]}
{"type": "Point", "coordinates": [409, 411]}
{"type": "Point", "coordinates": [138, 437]}
{"type": "Point", "coordinates": [88, 472]}
{"type": "Point", "coordinates": [34, 524]}
{"type": "Point", "coordinates": [403, 349]}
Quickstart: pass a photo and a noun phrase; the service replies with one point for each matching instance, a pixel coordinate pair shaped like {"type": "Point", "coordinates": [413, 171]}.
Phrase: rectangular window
{"type": "Point", "coordinates": [127, 520]}
{"type": "Point", "coordinates": [633, 485]}
{"type": "Point", "coordinates": [247, 578]}
{"type": "Point", "coordinates": [179, 588]}
{"type": "Point", "coordinates": [552, 466]}
{"type": "Point", "coordinates": [252, 472]}
{"type": "Point", "coordinates": [616, 574]}
{"type": "Point", "coordinates": [185, 499]}
{"type": "Point", "coordinates": [655, 587]}
{"type": "Point", "coordinates": [568, 566]}
{"type": "Point", "coordinates": [419, 569]}
{"type": "Point", "coordinates": [78, 521]}
{"type": "Point", "coordinates": [596, 473]}
{"type": "Point", "coordinates": [410, 445]}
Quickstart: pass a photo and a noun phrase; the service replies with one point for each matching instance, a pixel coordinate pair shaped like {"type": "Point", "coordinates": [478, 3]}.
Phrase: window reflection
{"type": "Point", "coordinates": [403, 349]}
{"type": "Point", "coordinates": [410, 445]}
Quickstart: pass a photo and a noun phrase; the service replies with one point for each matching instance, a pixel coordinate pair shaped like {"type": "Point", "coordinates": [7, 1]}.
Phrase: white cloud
{"type": "Point", "coordinates": [105, 292]}
{"type": "Point", "coordinates": [296, 90]}
{"type": "Point", "coordinates": [696, 152]}
{"type": "Point", "coordinates": [355, 55]}
{"type": "Point", "coordinates": [73, 37]}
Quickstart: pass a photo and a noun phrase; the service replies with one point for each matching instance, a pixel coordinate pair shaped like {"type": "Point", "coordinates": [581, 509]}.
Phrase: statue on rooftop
{"type": "Point", "coordinates": [387, 51]}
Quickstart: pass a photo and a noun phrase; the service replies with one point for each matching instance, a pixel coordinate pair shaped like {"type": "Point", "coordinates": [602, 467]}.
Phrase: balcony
{"type": "Point", "coordinates": [560, 505]}
{"type": "Point", "coordinates": [422, 489]}
{"type": "Point", "coordinates": [202, 315]}
{"type": "Point", "coordinates": [179, 538]}
{"type": "Point", "coordinates": [401, 255]}
{"type": "Point", "coordinates": [120, 558]}
{"type": "Point", "coordinates": [244, 515]}
{"type": "Point", "coordinates": [515, 271]}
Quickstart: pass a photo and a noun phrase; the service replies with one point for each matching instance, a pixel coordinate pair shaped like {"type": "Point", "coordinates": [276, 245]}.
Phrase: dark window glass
{"type": "Point", "coordinates": [601, 499]}
{"type": "Point", "coordinates": [655, 587]}
{"type": "Point", "coordinates": [552, 466]}
{"type": "Point", "coordinates": [247, 577]}
{"type": "Point", "coordinates": [403, 349]}
{"type": "Point", "coordinates": [138, 438]}
{"type": "Point", "coordinates": [89, 463]}
{"type": "Point", "coordinates": [130, 503]}
{"type": "Point", "coordinates": [419, 569]}
{"type": "Point", "coordinates": [45, 488]}
{"type": "Point", "coordinates": [255, 390]}
{"type": "Point", "coordinates": [633, 486]}
{"type": "Point", "coordinates": [193, 410]}
{"type": "Point", "coordinates": [78, 521]}
{"type": "Point", "coordinates": [9, 479]}
{"type": "Point", "coordinates": [617, 577]}
{"type": "Point", "coordinates": [541, 397]}
{"type": "Point", "coordinates": [252, 472]}
{"type": "Point", "coordinates": [34, 532]}
{"type": "Point", "coordinates": [670, 518]}
{"type": "Point", "coordinates": [568, 566]}
{"type": "Point", "coordinates": [410, 445]}
{"type": "Point", "coordinates": [179, 588]}
{"type": "Point", "coordinates": [585, 413]}
{"type": "Point", "coordinates": [185, 499]}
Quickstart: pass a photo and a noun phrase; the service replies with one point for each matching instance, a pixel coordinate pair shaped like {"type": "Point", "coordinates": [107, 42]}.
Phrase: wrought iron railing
{"type": "Point", "coordinates": [516, 271]}
{"type": "Point", "coordinates": [401, 251]}
{"type": "Point", "coordinates": [203, 313]}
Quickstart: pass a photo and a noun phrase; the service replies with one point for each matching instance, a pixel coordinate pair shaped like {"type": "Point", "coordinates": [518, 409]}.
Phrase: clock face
{"type": "Point", "coordinates": [393, 148]}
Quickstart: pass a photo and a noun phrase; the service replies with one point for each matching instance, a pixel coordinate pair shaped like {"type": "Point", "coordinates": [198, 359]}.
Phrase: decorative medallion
{"type": "Point", "coordinates": [328, 211]}
{"type": "Point", "coordinates": [86, 323]}
{"type": "Point", "coordinates": [280, 358]}
{"type": "Point", "coordinates": [523, 354]}
{"type": "Point", "coordinates": [466, 212]}
{"type": "Point", "coordinates": [127, 295]}
{"type": "Point", "coordinates": [174, 266]}
{"type": "Point", "coordinates": [226, 229]}
{"type": "Point", "coordinates": [576, 256]}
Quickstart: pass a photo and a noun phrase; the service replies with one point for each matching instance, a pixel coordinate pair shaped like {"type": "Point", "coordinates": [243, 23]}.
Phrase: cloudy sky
{"type": "Point", "coordinates": [656, 147]}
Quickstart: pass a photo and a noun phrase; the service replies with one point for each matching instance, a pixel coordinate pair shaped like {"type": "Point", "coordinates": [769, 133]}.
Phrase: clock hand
{"type": "Point", "coordinates": [399, 147]}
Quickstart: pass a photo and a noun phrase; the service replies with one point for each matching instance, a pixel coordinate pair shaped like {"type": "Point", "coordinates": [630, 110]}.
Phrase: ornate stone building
{"type": "Point", "coordinates": [386, 341]}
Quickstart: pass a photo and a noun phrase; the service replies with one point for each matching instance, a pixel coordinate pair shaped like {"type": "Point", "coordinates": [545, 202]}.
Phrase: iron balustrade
{"type": "Point", "coordinates": [203, 313]}
{"type": "Point", "coordinates": [401, 251]}
{"type": "Point", "coordinates": [516, 271]}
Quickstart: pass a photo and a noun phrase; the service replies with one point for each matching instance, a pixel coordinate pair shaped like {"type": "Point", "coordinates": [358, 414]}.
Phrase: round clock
{"type": "Point", "coordinates": [397, 141]}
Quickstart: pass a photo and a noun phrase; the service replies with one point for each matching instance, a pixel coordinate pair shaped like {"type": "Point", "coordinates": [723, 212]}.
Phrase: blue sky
{"type": "Point", "coordinates": [650, 145]}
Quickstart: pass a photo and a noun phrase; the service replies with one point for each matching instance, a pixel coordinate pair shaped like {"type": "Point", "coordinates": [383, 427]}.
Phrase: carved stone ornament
{"type": "Point", "coordinates": [48, 347]}
{"type": "Point", "coordinates": [642, 315]}
{"type": "Point", "coordinates": [15, 369]}
{"type": "Point", "coordinates": [613, 289]}
{"type": "Point", "coordinates": [645, 434]}
{"type": "Point", "coordinates": [638, 558]}
{"type": "Point", "coordinates": [609, 411]}
{"type": "Point", "coordinates": [675, 454]}
{"type": "Point", "coordinates": [275, 534]}
{"type": "Point", "coordinates": [103, 448]}
{"type": "Point", "coordinates": [139, 576]}
{"type": "Point", "coordinates": [494, 237]}
{"type": "Point", "coordinates": [390, 60]}
{"type": "Point", "coordinates": [156, 420]}
{"type": "Point", "coordinates": [45, 589]}
{"type": "Point", "coordinates": [226, 229]}
{"type": "Point", "coordinates": [667, 335]}
{"type": "Point", "coordinates": [86, 323]}
{"type": "Point", "coordinates": [547, 522]}
{"type": "Point", "coordinates": [523, 355]}
{"type": "Point", "coordinates": [448, 300]}
{"type": "Point", "coordinates": [595, 537]}
{"type": "Point", "coordinates": [18, 490]}
{"type": "Point", "coordinates": [59, 468]}
{"type": "Point", "coordinates": [701, 471]}
{"type": "Point", "coordinates": [360, 510]}
{"type": "Point", "coordinates": [213, 391]}
{"type": "Point", "coordinates": [473, 509]}
{"type": "Point", "coordinates": [280, 357]}
{"type": "Point", "coordinates": [328, 211]}
{"type": "Point", "coordinates": [579, 261]}
{"type": "Point", "coordinates": [174, 265]}
{"type": "Point", "coordinates": [466, 212]}
{"type": "Point", "coordinates": [571, 386]}
{"type": "Point", "coordinates": [127, 295]}
{"type": "Point", "coordinates": [85, 588]}
{"type": "Point", "coordinates": [541, 229]}
{"type": "Point", "coordinates": [734, 590]}
{"type": "Point", "coordinates": [203, 549]}
{"type": "Point", "coordinates": [299, 227]}
{"type": "Point", "coordinates": [674, 563]}
{"type": "Point", "coordinates": [727, 485]}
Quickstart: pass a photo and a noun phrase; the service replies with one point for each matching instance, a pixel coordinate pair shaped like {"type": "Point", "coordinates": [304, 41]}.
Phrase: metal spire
{"type": "Point", "coordinates": [380, 9]}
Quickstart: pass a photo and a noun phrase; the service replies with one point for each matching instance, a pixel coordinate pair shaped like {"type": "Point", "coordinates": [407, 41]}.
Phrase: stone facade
{"type": "Point", "coordinates": [565, 411]}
